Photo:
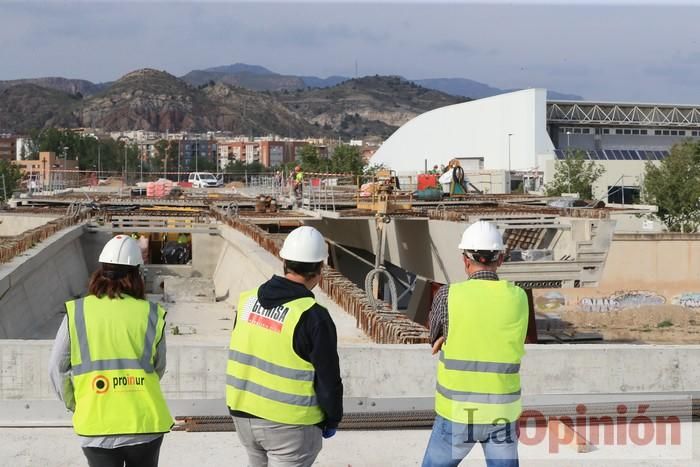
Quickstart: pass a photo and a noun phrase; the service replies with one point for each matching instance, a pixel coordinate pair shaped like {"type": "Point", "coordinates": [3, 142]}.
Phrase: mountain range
{"type": "Point", "coordinates": [244, 99]}
{"type": "Point", "coordinates": [262, 79]}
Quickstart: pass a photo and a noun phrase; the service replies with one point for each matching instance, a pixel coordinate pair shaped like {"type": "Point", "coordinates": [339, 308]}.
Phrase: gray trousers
{"type": "Point", "coordinates": [271, 444]}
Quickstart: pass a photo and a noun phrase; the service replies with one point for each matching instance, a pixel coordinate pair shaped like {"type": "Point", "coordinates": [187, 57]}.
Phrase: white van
{"type": "Point", "coordinates": [204, 180]}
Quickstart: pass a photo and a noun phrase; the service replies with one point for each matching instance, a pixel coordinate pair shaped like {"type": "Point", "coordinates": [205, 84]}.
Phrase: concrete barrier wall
{"type": "Point", "coordinates": [242, 265]}
{"type": "Point", "coordinates": [661, 261]}
{"type": "Point", "coordinates": [34, 286]}
{"type": "Point", "coordinates": [206, 250]}
{"type": "Point", "coordinates": [92, 243]}
{"type": "Point", "coordinates": [388, 371]}
{"type": "Point", "coordinates": [641, 269]}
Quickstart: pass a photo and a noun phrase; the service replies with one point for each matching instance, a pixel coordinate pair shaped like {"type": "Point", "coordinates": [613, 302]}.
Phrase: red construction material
{"type": "Point", "coordinates": [427, 181]}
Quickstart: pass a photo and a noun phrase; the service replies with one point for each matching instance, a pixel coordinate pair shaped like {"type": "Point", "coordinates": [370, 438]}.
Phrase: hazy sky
{"type": "Point", "coordinates": [628, 51]}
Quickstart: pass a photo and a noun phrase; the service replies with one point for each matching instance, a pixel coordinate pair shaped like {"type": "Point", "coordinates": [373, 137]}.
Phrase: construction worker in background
{"type": "Point", "coordinates": [278, 179]}
{"type": "Point", "coordinates": [298, 182]}
{"type": "Point", "coordinates": [445, 179]}
{"type": "Point", "coordinates": [107, 361]}
{"type": "Point", "coordinates": [144, 244]}
{"type": "Point", "coordinates": [283, 385]}
{"type": "Point", "coordinates": [478, 381]}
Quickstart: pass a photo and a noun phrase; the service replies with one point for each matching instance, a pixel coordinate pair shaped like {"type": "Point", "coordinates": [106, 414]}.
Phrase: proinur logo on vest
{"type": "Point", "coordinates": [100, 384]}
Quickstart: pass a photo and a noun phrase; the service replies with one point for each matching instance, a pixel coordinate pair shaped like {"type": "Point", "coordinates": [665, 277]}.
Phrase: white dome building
{"type": "Point", "coordinates": [508, 131]}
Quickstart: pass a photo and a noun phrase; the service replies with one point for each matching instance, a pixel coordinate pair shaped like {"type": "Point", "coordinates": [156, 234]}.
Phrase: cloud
{"type": "Point", "coordinates": [679, 74]}
{"type": "Point", "coordinates": [592, 50]}
{"type": "Point", "coordinates": [452, 46]}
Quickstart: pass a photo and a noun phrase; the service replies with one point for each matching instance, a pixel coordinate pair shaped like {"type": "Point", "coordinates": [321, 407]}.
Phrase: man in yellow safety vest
{"type": "Point", "coordinates": [478, 381]}
{"type": "Point", "coordinates": [298, 179]}
{"type": "Point", "coordinates": [283, 385]}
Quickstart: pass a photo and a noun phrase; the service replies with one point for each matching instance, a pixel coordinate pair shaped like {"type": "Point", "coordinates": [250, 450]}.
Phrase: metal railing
{"type": "Point", "coordinates": [327, 191]}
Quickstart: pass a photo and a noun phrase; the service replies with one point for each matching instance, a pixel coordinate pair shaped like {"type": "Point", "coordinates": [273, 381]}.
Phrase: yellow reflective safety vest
{"type": "Point", "coordinates": [112, 348]}
{"type": "Point", "coordinates": [265, 377]}
{"type": "Point", "coordinates": [478, 380]}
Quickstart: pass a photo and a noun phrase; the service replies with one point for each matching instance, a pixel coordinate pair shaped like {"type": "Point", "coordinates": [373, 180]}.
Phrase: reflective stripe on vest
{"type": "Point", "coordinates": [269, 367]}
{"type": "Point", "coordinates": [87, 364]}
{"type": "Point", "coordinates": [267, 393]}
{"type": "Point", "coordinates": [478, 377]}
{"type": "Point", "coordinates": [117, 391]}
{"type": "Point", "coordinates": [478, 397]}
{"type": "Point", "coordinates": [265, 376]}
{"type": "Point", "coordinates": [483, 367]}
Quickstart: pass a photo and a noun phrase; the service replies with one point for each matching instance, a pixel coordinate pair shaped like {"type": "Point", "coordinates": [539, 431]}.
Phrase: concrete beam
{"type": "Point", "coordinates": [584, 242]}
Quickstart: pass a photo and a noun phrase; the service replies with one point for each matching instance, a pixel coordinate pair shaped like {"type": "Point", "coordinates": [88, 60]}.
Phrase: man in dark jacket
{"type": "Point", "coordinates": [284, 389]}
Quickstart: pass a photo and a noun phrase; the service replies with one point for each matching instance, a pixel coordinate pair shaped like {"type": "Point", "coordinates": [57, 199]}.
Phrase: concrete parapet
{"type": "Point", "coordinates": [14, 224]}
{"type": "Point", "coordinates": [243, 265]}
{"type": "Point", "coordinates": [392, 371]}
{"type": "Point", "coordinates": [34, 286]}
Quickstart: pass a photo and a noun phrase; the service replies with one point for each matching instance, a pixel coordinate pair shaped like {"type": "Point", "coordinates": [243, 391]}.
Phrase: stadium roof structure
{"type": "Point", "coordinates": [624, 114]}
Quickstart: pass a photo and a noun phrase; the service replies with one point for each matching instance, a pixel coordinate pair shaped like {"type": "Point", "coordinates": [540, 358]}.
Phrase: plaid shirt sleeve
{"type": "Point", "coordinates": [438, 315]}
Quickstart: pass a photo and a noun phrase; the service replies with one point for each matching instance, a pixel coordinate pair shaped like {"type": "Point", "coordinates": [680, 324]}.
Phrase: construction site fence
{"type": "Point", "coordinates": [381, 324]}
{"type": "Point", "coordinates": [280, 181]}
{"type": "Point", "coordinates": [12, 246]}
{"type": "Point", "coordinates": [273, 182]}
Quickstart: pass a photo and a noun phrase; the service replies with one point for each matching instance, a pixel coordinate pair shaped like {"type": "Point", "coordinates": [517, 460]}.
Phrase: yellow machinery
{"type": "Point", "coordinates": [382, 194]}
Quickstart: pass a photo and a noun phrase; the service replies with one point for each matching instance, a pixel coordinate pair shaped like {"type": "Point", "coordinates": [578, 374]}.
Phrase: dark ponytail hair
{"type": "Point", "coordinates": [116, 280]}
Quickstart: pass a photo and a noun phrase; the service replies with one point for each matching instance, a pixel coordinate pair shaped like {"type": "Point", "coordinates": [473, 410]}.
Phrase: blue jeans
{"type": "Point", "coordinates": [450, 442]}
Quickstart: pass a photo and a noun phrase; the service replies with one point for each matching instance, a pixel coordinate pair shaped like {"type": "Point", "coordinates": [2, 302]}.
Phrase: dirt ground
{"type": "Point", "coordinates": [662, 324]}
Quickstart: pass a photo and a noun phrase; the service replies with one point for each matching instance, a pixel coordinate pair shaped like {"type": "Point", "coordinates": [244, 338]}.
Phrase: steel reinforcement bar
{"type": "Point", "coordinates": [595, 414]}
{"type": "Point", "coordinates": [382, 325]}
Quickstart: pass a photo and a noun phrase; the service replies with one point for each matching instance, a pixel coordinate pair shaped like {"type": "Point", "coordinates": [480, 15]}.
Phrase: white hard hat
{"type": "Point", "coordinates": [122, 249]}
{"type": "Point", "coordinates": [483, 236]}
{"type": "Point", "coordinates": [305, 245]}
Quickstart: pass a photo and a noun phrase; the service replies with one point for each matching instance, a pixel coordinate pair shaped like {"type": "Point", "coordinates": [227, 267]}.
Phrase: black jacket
{"type": "Point", "coordinates": [315, 340]}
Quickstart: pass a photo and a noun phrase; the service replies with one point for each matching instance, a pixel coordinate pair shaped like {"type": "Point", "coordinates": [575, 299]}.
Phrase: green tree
{"type": "Point", "coordinates": [674, 187]}
{"type": "Point", "coordinates": [204, 164]}
{"type": "Point", "coordinates": [347, 159]}
{"type": "Point", "coordinates": [157, 162]}
{"type": "Point", "coordinates": [372, 169]}
{"type": "Point", "coordinates": [170, 164]}
{"type": "Point", "coordinates": [235, 168]}
{"type": "Point", "coordinates": [574, 174]}
{"type": "Point", "coordinates": [10, 176]}
{"type": "Point", "coordinates": [86, 150]}
{"type": "Point", "coordinates": [238, 169]}
{"type": "Point", "coordinates": [112, 156]}
{"type": "Point", "coordinates": [310, 159]}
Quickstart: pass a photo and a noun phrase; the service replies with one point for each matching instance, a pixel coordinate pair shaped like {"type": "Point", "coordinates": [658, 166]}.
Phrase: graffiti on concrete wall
{"type": "Point", "coordinates": [598, 304]}
{"type": "Point", "coordinates": [555, 300]}
{"type": "Point", "coordinates": [635, 299]}
{"type": "Point", "coordinates": [550, 301]}
{"type": "Point", "coordinates": [620, 301]}
{"type": "Point", "coordinates": [688, 300]}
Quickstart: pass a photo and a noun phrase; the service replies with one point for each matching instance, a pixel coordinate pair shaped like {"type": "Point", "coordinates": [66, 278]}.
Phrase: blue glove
{"type": "Point", "coordinates": [328, 433]}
